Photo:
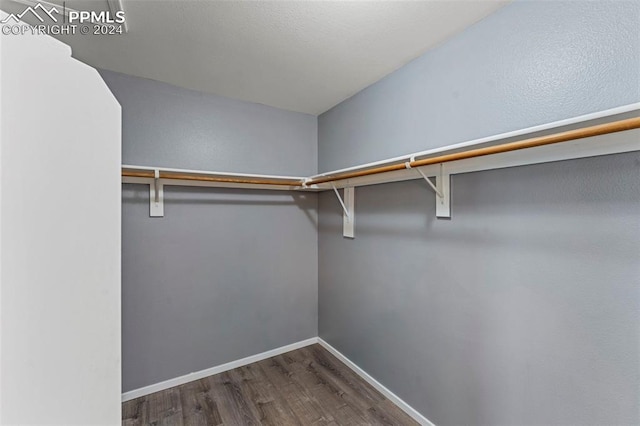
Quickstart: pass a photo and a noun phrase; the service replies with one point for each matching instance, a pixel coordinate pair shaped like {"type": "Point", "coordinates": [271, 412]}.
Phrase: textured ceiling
{"type": "Point", "coordinates": [303, 56]}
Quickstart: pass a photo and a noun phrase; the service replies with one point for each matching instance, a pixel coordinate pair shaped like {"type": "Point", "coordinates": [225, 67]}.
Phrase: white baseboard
{"type": "Point", "coordinates": [137, 393]}
{"type": "Point", "coordinates": [157, 387]}
{"type": "Point", "coordinates": [376, 384]}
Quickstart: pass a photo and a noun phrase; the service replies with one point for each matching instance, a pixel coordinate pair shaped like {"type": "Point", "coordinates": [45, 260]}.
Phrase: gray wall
{"type": "Point", "coordinates": [164, 125]}
{"type": "Point", "coordinates": [523, 309]}
{"type": "Point", "coordinates": [529, 63]}
{"type": "Point", "coordinates": [225, 273]}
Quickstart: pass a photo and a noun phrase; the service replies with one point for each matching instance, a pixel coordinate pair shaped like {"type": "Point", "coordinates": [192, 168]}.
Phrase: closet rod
{"type": "Point", "coordinates": [204, 178]}
{"type": "Point", "coordinates": [585, 132]}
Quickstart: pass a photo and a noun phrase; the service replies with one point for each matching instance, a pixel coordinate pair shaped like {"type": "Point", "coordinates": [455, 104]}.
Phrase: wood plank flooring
{"type": "Point", "coordinates": [308, 386]}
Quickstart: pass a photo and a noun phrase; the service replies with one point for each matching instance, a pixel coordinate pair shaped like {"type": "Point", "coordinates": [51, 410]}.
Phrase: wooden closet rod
{"type": "Point", "coordinates": [205, 178]}
{"type": "Point", "coordinates": [585, 132]}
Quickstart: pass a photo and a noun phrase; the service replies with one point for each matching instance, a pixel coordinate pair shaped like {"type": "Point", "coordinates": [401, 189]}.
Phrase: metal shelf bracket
{"type": "Point", "coordinates": [348, 207]}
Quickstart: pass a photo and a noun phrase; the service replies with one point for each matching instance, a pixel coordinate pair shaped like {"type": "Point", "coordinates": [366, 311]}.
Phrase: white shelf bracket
{"type": "Point", "coordinates": [443, 189]}
{"type": "Point", "coordinates": [348, 207]}
{"type": "Point", "coordinates": [156, 196]}
{"type": "Point", "coordinates": [434, 187]}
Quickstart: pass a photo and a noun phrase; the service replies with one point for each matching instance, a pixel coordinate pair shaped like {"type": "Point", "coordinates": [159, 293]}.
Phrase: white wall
{"type": "Point", "coordinates": [59, 238]}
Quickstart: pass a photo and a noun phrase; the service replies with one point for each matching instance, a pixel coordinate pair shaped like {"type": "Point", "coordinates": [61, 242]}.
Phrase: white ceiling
{"type": "Point", "coordinates": [302, 56]}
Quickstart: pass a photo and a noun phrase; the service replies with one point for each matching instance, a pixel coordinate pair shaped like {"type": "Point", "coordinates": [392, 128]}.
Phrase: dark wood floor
{"type": "Point", "coordinates": [308, 386]}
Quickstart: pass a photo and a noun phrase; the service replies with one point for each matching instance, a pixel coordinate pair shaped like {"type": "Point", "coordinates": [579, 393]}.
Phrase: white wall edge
{"type": "Point", "coordinates": [377, 385]}
{"type": "Point", "coordinates": [157, 387]}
